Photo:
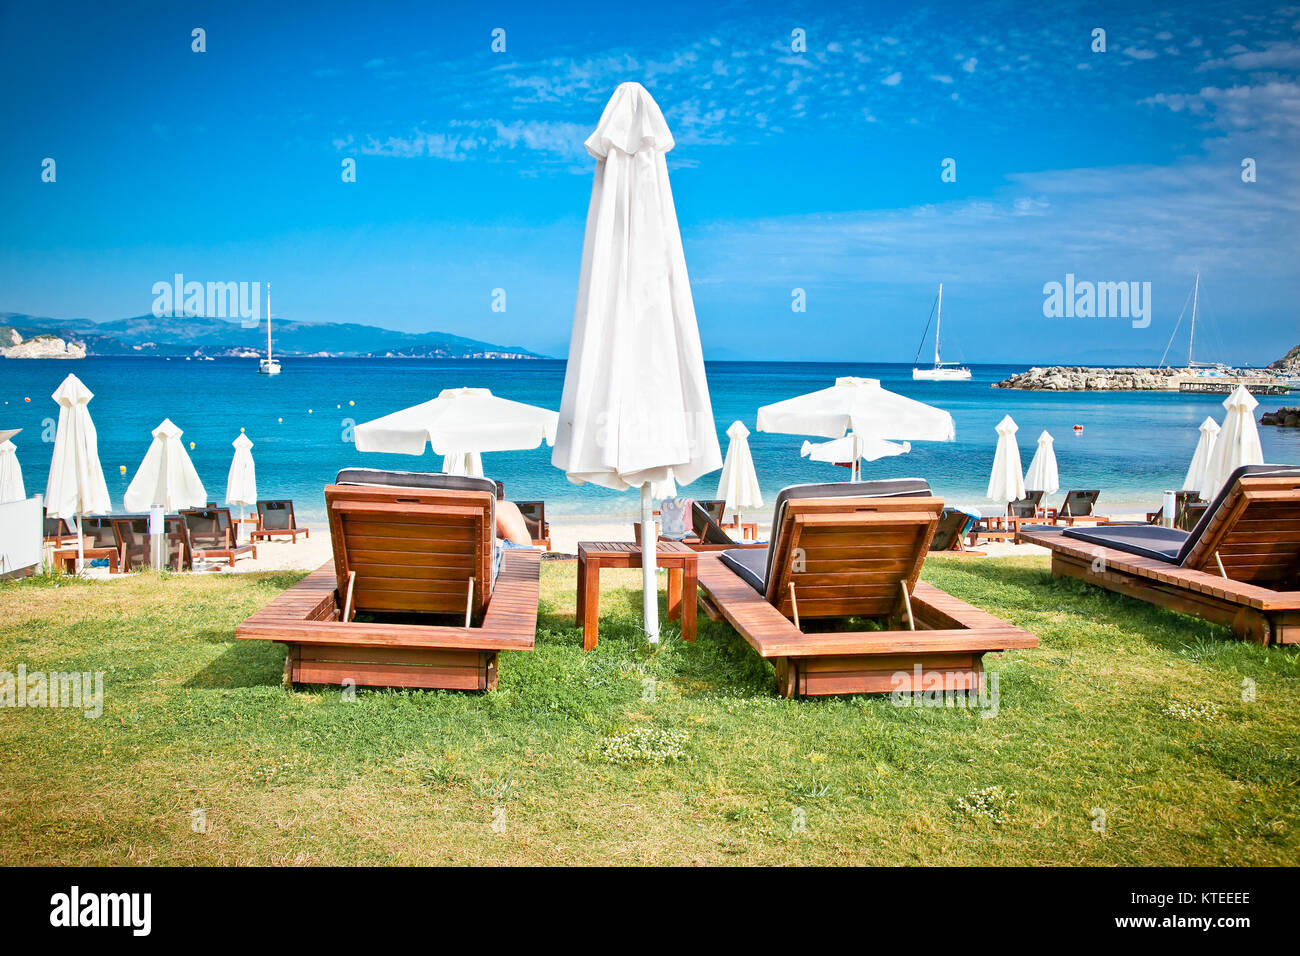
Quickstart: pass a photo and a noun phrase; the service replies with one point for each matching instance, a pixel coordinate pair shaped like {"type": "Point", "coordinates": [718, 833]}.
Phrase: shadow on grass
{"type": "Point", "coordinates": [1058, 610]}
{"type": "Point", "coordinates": [243, 664]}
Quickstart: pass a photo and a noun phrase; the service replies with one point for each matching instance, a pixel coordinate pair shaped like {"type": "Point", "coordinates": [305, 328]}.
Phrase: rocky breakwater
{"type": "Point", "coordinates": [1061, 378]}
{"type": "Point", "coordinates": [1283, 418]}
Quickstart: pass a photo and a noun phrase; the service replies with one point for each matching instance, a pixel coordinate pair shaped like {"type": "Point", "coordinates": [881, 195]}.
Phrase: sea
{"type": "Point", "coordinates": [1131, 445]}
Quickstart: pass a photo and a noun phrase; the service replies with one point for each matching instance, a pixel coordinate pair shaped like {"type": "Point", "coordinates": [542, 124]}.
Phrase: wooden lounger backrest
{"type": "Point", "coordinates": [276, 515]}
{"type": "Point", "coordinates": [1255, 532]}
{"type": "Point", "coordinates": [1079, 504]}
{"type": "Point", "coordinates": [413, 550]}
{"type": "Point", "coordinates": [847, 556]}
{"type": "Point", "coordinates": [534, 515]}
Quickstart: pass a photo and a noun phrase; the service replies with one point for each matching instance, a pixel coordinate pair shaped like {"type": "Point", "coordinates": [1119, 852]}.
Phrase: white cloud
{"type": "Point", "coordinates": [893, 79]}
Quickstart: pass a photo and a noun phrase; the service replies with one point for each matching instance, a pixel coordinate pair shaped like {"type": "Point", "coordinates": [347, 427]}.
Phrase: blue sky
{"type": "Point", "coordinates": [817, 169]}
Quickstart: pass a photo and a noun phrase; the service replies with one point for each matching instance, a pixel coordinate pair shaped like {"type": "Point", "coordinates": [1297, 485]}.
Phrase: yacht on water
{"type": "Point", "coordinates": [268, 365]}
{"type": "Point", "coordinates": [942, 371]}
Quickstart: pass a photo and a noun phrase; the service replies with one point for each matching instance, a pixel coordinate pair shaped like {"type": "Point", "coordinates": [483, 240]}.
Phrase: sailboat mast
{"type": "Point", "coordinates": [1191, 339]}
{"type": "Point", "coordinates": [938, 324]}
{"type": "Point", "coordinates": [268, 322]}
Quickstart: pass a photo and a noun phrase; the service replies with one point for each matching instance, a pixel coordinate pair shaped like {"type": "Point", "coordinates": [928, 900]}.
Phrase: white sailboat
{"type": "Point", "coordinates": [268, 365]}
{"type": "Point", "coordinates": [942, 371]}
{"type": "Point", "coordinates": [1204, 369]}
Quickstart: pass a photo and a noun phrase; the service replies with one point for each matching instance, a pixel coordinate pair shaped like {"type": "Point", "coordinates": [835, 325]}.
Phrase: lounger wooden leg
{"type": "Point", "coordinates": [591, 608]}
{"type": "Point", "coordinates": [690, 601]}
{"type": "Point", "coordinates": [674, 593]}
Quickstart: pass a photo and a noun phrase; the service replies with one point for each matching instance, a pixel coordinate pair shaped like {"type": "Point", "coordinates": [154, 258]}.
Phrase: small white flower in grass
{"type": "Point", "coordinates": [988, 803]}
{"type": "Point", "coordinates": [644, 745]}
{"type": "Point", "coordinates": [1191, 710]}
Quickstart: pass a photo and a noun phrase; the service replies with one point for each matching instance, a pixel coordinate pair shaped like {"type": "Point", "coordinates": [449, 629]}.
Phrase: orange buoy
{"type": "Point", "coordinates": [1078, 429]}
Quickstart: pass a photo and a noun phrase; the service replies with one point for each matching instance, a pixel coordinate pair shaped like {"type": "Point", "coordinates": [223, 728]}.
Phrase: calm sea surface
{"type": "Point", "coordinates": [1132, 447]}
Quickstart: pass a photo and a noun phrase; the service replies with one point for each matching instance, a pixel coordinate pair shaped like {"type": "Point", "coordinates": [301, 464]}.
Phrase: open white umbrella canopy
{"type": "Point", "coordinates": [635, 405]}
{"type": "Point", "coordinates": [166, 476]}
{"type": "Point", "coordinates": [1007, 482]}
{"type": "Point", "coordinates": [738, 486]}
{"type": "Point", "coordinates": [1195, 479]}
{"type": "Point", "coordinates": [1042, 475]}
{"type": "Point", "coordinates": [839, 451]}
{"type": "Point", "coordinates": [468, 463]}
{"type": "Point", "coordinates": [75, 485]}
{"type": "Point", "coordinates": [457, 422]}
{"type": "Point", "coordinates": [858, 407]}
{"type": "Point", "coordinates": [1237, 444]}
{"type": "Point", "coordinates": [11, 473]}
{"type": "Point", "coordinates": [241, 481]}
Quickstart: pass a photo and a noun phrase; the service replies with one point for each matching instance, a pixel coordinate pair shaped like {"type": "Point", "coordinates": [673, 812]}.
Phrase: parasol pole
{"type": "Point", "coordinates": [649, 581]}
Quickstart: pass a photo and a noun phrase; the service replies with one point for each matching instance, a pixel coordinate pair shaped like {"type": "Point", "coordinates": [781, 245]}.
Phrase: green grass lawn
{"type": "Point", "coordinates": [1123, 709]}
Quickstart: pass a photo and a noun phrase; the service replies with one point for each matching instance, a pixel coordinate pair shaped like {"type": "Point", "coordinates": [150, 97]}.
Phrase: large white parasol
{"type": "Point", "coordinates": [458, 422]}
{"type": "Point", "coordinates": [241, 481]}
{"type": "Point", "coordinates": [635, 407]}
{"type": "Point", "coordinates": [1237, 444]}
{"type": "Point", "coordinates": [1195, 478]}
{"type": "Point", "coordinates": [1042, 475]}
{"type": "Point", "coordinates": [11, 473]}
{"type": "Point", "coordinates": [76, 485]}
{"type": "Point", "coordinates": [738, 486]}
{"type": "Point", "coordinates": [166, 477]}
{"type": "Point", "coordinates": [859, 409]}
{"type": "Point", "coordinates": [1006, 483]}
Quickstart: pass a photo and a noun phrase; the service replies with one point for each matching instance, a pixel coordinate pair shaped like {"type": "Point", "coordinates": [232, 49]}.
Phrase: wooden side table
{"type": "Point", "coordinates": [67, 558]}
{"type": "Point", "coordinates": [677, 559]}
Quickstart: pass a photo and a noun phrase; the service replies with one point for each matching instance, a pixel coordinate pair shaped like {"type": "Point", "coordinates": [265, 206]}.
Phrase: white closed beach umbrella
{"type": "Point", "coordinates": [241, 480]}
{"type": "Point", "coordinates": [468, 463]}
{"type": "Point", "coordinates": [75, 485]}
{"type": "Point", "coordinates": [1195, 479]}
{"type": "Point", "coordinates": [861, 410]}
{"type": "Point", "coordinates": [1237, 444]}
{"type": "Point", "coordinates": [635, 407]}
{"type": "Point", "coordinates": [1007, 482]}
{"type": "Point", "coordinates": [11, 473]}
{"type": "Point", "coordinates": [166, 477]}
{"type": "Point", "coordinates": [738, 486]}
{"type": "Point", "coordinates": [1042, 475]}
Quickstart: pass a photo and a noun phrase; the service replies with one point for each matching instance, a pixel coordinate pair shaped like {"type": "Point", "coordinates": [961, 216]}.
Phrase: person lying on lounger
{"type": "Point", "coordinates": [511, 526]}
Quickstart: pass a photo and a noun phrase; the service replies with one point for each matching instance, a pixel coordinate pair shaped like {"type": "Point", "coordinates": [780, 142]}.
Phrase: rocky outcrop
{"type": "Point", "coordinates": [1061, 378]}
{"type": "Point", "coordinates": [1289, 362]}
{"type": "Point", "coordinates": [1283, 418]}
{"type": "Point", "coordinates": [43, 347]}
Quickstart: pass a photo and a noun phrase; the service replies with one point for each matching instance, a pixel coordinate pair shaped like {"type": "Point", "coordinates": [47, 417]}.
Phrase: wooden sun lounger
{"type": "Point", "coordinates": [1252, 528]}
{"type": "Point", "coordinates": [212, 535]}
{"type": "Point", "coordinates": [950, 533]}
{"type": "Point", "coordinates": [416, 564]}
{"type": "Point", "coordinates": [853, 555]}
{"type": "Point", "coordinates": [276, 517]}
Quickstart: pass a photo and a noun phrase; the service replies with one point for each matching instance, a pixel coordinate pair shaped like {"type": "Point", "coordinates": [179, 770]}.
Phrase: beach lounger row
{"type": "Point", "coordinates": [206, 534]}
{"type": "Point", "coordinates": [419, 594]}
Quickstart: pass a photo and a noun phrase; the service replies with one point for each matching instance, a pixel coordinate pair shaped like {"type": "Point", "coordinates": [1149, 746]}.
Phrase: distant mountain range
{"type": "Point", "coordinates": [199, 336]}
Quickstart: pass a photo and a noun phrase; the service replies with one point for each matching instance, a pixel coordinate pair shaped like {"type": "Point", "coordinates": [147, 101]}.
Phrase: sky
{"type": "Point", "coordinates": [811, 141]}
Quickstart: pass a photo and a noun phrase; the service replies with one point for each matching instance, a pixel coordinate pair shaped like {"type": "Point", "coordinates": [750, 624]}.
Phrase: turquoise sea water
{"type": "Point", "coordinates": [1133, 446]}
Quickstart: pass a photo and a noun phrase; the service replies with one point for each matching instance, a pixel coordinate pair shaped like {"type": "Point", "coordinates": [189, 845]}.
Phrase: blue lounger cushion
{"type": "Point", "coordinates": [1147, 540]}
{"type": "Point", "coordinates": [750, 565]}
